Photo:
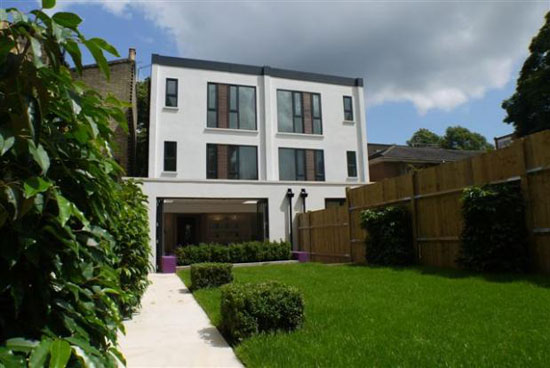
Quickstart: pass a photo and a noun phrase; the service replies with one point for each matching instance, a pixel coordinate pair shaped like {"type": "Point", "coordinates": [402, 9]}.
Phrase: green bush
{"type": "Point", "coordinates": [494, 237]}
{"type": "Point", "coordinates": [64, 209]}
{"type": "Point", "coordinates": [249, 309]}
{"type": "Point", "coordinates": [254, 251]}
{"type": "Point", "coordinates": [389, 236]}
{"type": "Point", "coordinates": [206, 275]}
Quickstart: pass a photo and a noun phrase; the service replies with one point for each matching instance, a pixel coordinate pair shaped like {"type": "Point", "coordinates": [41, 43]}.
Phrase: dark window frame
{"type": "Point", "coordinates": [211, 109]}
{"type": "Point", "coordinates": [238, 169]}
{"type": "Point", "coordinates": [212, 173]}
{"type": "Point", "coordinates": [166, 167]}
{"type": "Point", "coordinates": [294, 115]}
{"type": "Point", "coordinates": [229, 110]}
{"type": "Point", "coordinates": [352, 166]}
{"type": "Point", "coordinates": [350, 111]}
{"type": "Point", "coordinates": [319, 176]}
{"type": "Point", "coordinates": [166, 94]}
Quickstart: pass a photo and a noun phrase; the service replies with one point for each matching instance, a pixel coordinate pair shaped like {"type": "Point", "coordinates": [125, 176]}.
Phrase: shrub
{"type": "Point", "coordinates": [494, 237]}
{"type": "Point", "coordinates": [389, 236]}
{"type": "Point", "coordinates": [206, 275]}
{"type": "Point", "coordinates": [248, 309]}
{"type": "Point", "coordinates": [254, 251]}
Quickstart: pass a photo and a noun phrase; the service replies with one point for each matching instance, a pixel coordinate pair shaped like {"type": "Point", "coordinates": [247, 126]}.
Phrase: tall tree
{"type": "Point", "coordinates": [424, 137]}
{"type": "Point", "coordinates": [142, 149]}
{"type": "Point", "coordinates": [461, 138]}
{"type": "Point", "coordinates": [529, 107]}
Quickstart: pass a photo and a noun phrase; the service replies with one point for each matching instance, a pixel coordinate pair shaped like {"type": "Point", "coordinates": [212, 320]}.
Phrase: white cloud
{"type": "Point", "coordinates": [437, 55]}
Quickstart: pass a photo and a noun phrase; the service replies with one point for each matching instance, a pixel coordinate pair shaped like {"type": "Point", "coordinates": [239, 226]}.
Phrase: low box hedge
{"type": "Point", "coordinates": [248, 309]}
{"type": "Point", "coordinates": [254, 251]}
{"type": "Point", "coordinates": [206, 275]}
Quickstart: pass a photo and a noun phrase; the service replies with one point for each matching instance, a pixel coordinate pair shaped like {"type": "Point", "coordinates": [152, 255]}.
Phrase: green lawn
{"type": "Point", "coordinates": [414, 317]}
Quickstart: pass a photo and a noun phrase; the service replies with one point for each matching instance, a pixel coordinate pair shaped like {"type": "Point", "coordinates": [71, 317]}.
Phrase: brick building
{"type": "Point", "coordinates": [122, 85]}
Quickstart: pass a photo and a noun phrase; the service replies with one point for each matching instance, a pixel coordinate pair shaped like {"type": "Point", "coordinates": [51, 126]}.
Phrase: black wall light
{"type": "Point", "coordinates": [289, 196]}
{"type": "Point", "coordinates": [303, 195]}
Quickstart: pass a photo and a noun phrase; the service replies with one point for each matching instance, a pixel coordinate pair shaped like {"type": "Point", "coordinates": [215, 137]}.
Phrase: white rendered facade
{"type": "Point", "coordinates": [186, 125]}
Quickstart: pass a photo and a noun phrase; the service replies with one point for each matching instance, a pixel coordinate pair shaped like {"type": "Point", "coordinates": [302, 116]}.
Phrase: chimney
{"type": "Point", "coordinates": [131, 54]}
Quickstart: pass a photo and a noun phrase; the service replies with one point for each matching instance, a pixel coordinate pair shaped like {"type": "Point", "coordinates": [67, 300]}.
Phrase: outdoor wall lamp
{"type": "Point", "coordinates": [289, 196]}
{"type": "Point", "coordinates": [303, 195]}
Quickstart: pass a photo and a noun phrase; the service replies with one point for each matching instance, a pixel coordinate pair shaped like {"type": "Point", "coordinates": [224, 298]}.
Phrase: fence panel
{"type": "Point", "coordinates": [433, 196]}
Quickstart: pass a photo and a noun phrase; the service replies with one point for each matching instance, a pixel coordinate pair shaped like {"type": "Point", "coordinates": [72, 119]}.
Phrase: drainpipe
{"type": "Point", "coordinates": [289, 196]}
{"type": "Point", "coordinates": [303, 195]}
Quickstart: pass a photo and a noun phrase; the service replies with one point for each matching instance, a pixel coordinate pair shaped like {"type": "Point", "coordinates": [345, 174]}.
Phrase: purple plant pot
{"type": "Point", "coordinates": [168, 264]}
{"type": "Point", "coordinates": [301, 256]}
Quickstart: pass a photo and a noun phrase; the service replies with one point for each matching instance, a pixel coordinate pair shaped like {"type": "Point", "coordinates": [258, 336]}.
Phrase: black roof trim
{"type": "Point", "coordinates": [254, 70]}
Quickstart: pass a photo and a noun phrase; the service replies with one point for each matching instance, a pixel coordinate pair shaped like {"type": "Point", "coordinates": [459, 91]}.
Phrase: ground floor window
{"type": "Point", "coordinates": [231, 162]}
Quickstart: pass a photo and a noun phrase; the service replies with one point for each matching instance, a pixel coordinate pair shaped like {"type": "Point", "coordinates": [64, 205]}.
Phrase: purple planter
{"type": "Point", "coordinates": [301, 256]}
{"type": "Point", "coordinates": [168, 264]}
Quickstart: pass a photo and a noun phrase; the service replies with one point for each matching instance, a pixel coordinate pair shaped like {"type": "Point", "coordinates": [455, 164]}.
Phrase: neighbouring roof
{"type": "Point", "coordinates": [254, 70]}
{"type": "Point", "coordinates": [394, 152]}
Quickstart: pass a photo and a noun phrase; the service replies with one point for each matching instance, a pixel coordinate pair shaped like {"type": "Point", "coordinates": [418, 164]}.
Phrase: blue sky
{"type": "Point", "coordinates": [426, 64]}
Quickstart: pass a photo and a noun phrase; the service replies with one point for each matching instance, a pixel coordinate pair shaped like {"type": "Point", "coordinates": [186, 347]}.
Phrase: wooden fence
{"type": "Point", "coordinates": [433, 197]}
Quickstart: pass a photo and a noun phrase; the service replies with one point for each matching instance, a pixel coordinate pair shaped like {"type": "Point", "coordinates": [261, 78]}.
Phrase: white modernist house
{"type": "Point", "coordinates": [236, 151]}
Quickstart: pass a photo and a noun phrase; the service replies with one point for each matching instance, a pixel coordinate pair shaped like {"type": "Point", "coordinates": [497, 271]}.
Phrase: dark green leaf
{"type": "Point", "coordinates": [101, 43]}
{"type": "Point", "coordinates": [40, 354]}
{"type": "Point", "coordinates": [69, 20]}
{"type": "Point", "coordinates": [64, 207]}
{"type": "Point", "coordinates": [35, 185]}
{"type": "Point", "coordinates": [96, 52]}
{"type": "Point", "coordinates": [73, 50]}
{"type": "Point", "coordinates": [6, 142]}
{"type": "Point", "coordinates": [21, 344]}
{"type": "Point", "coordinates": [40, 156]}
{"type": "Point", "coordinates": [48, 4]}
{"type": "Point", "coordinates": [60, 352]}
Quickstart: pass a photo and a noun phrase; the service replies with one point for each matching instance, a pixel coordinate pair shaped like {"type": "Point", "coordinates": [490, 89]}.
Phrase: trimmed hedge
{"type": "Point", "coordinates": [389, 239]}
{"type": "Point", "coordinates": [248, 309]}
{"type": "Point", "coordinates": [254, 251]}
{"type": "Point", "coordinates": [494, 237]}
{"type": "Point", "coordinates": [206, 275]}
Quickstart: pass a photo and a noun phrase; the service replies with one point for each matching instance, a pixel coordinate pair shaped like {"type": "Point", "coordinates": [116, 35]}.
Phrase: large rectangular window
{"type": "Point", "coordinates": [294, 165]}
{"type": "Point", "coordinates": [348, 108]}
{"type": "Point", "coordinates": [231, 162]}
{"type": "Point", "coordinates": [241, 107]}
{"type": "Point", "coordinates": [352, 164]}
{"type": "Point", "coordinates": [170, 156]}
{"type": "Point", "coordinates": [292, 116]}
{"type": "Point", "coordinates": [171, 99]}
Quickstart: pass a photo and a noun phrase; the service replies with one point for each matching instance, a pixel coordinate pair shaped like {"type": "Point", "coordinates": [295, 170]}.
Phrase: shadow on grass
{"type": "Point", "coordinates": [540, 280]}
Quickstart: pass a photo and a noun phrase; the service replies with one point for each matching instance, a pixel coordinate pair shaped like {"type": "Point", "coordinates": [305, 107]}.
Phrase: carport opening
{"type": "Point", "coordinates": [187, 221]}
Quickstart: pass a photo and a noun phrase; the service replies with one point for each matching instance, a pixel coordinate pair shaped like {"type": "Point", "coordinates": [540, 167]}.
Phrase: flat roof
{"type": "Point", "coordinates": [254, 70]}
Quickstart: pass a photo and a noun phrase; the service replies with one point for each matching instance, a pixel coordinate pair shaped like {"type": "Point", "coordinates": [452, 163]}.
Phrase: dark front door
{"type": "Point", "coordinates": [187, 230]}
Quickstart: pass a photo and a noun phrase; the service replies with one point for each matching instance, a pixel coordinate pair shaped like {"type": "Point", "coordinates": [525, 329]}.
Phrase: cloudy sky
{"type": "Point", "coordinates": [425, 63]}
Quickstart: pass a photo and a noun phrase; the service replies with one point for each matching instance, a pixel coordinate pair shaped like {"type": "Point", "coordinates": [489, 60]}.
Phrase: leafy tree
{"type": "Point", "coordinates": [142, 151]}
{"type": "Point", "coordinates": [66, 219]}
{"type": "Point", "coordinates": [424, 137]}
{"type": "Point", "coordinates": [461, 138]}
{"type": "Point", "coordinates": [529, 107]}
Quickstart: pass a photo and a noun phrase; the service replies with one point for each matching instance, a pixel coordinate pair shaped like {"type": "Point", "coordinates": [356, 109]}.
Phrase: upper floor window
{"type": "Point", "coordinates": [170, 156]}
{"type": "Point", "coordinates": [231, 106]}
{"type": "Point", "coordinates": [352, 164]}
{"type": "Point", "coordinates": [171, 99]}
{"type": "Point", "coordinates": [348, 108]}
{"type": "Point", "coordinates": [299, 112]}
{"type": "Point", "coordinates": [231, 162]}
{"type": "Point", "coordinates": [301, 165]}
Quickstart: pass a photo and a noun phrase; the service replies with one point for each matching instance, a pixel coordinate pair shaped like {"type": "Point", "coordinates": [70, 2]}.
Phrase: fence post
{"type": "Point", "coordinates": [348, 211]}
{"type": "Point", "coordinates": [413, 215]}
{"type": "Point", "coordinates": [524, 182]}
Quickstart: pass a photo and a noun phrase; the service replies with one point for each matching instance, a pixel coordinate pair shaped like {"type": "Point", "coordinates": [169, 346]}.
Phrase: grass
{"type": "Point", "coordinates": [366, 316]}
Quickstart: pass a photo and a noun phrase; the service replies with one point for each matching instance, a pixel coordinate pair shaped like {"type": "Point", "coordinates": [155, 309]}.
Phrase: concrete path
{"type": "Point", "coordinates": [172, 330]}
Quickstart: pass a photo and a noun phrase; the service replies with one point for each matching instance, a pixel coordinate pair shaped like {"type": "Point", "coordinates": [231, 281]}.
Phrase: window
{"type": "Point", "coordinates": [241, 107]}
{"type": "Point", "coordinates": [212, 114]}
{"type": "Point", "coordinates": [352, 164]}
{"type": "Point", "coordinates": [171, 92]}
{"type": "Point", "coordinates": [348, 108]}
{"type": "Point", "coordinates": [291, 116]}
{"type": "Point", "coordinates": [316, 113]}
{"type": "Point", "coordinates": [294, 166]}
{"type": "Point", "coordinates": [241, 162]}
{"type": "Point", "coordinates": [170, 156]}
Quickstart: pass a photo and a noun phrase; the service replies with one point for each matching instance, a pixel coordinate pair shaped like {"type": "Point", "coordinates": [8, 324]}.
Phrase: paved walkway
{"type": "Point", "coordinates": [172, 330]}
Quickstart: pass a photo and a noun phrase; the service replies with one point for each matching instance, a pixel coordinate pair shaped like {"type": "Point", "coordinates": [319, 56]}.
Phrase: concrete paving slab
{"type": "Point", "coordinates": [172, 330]}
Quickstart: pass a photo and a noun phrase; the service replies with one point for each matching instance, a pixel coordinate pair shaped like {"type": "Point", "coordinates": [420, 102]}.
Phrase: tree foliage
{"type": "Point", "coordinates": [64, 284]}
{"type": "Point", "coordinates": [528, 109]}
{"type": "Point", "coordinates": [424, 138]}
{"type": "Point", "coordinates": [456, 137]}
{"type": "Point", "coordinates": [142, 151]}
